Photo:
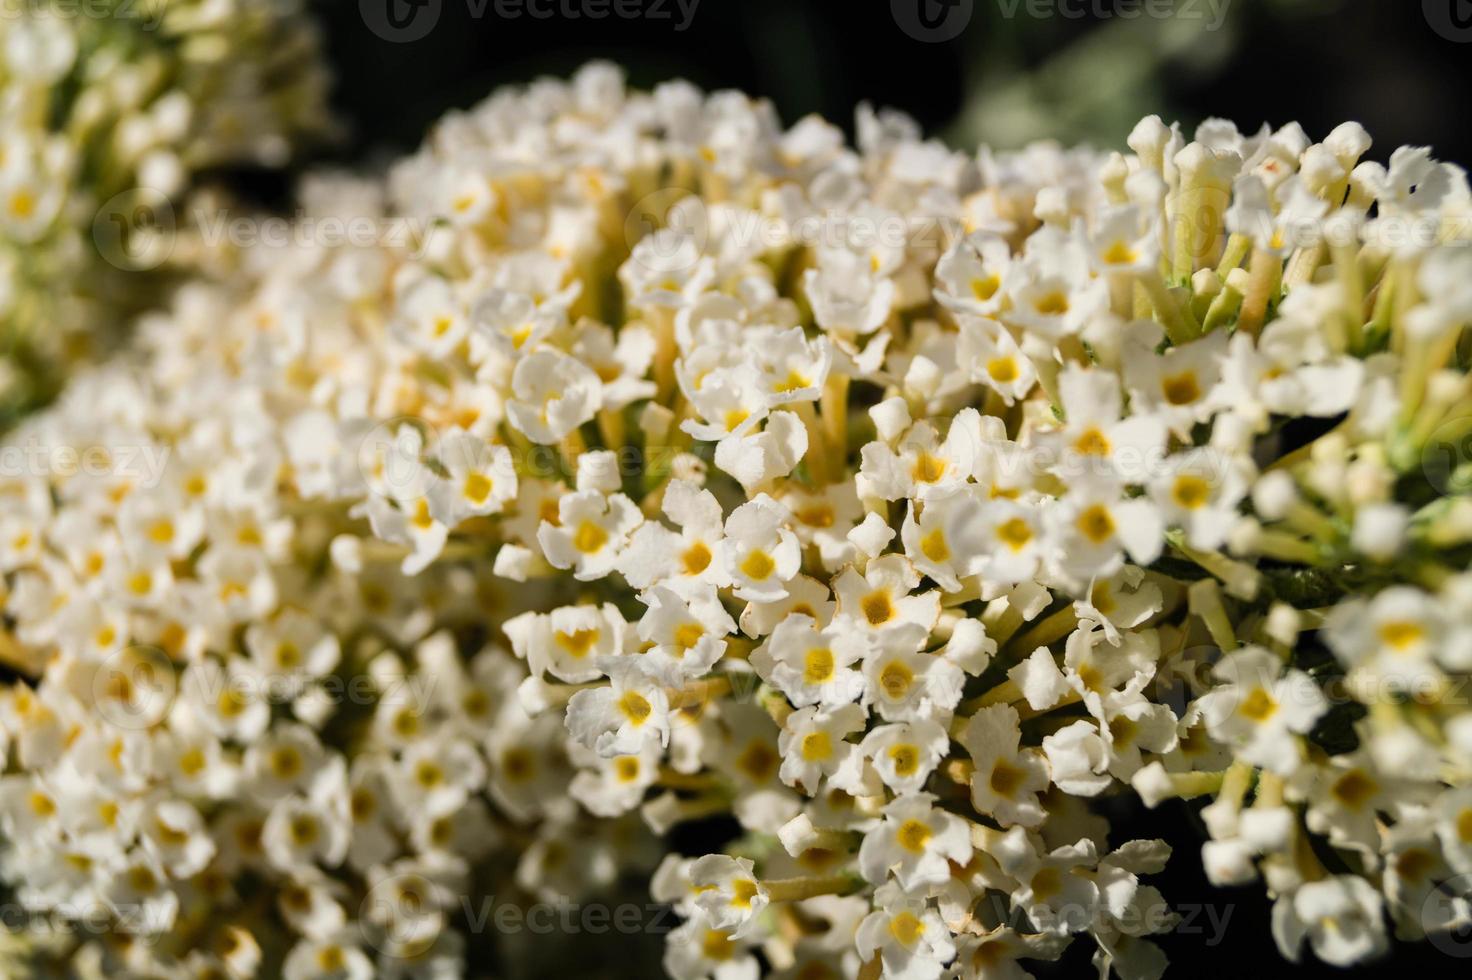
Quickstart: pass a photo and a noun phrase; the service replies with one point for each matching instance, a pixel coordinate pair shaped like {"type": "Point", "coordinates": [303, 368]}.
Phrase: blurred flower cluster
{"type": "Point", "coordinates": [898, 504]}
{"type": "Point", "coordinates": [110, 109]}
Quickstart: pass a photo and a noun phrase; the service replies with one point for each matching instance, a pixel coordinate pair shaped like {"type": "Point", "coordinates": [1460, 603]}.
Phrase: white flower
{"type": "Point", "coordinates": [880, 598]}
{"type": "Point", "coordinates": [553, 395]}
{"type": "Point", "coordinates": [916, 843]}
{"type": "Point", "coordinates": [512, 321]}
{"type": "Point", "coordinates": [824, 519]}
{"type": "Point", "coordinates": [847, 296]}
{"type": "Point", "coordinates": [1100, 440]}
{"type": "Point", "coordinates": [921, 466]}
{"type": "Point", "coordinates": [995, 357]}
{"type": "Point", "coordinates": [1124, 241]}
{"type": "Point", "coordinates": [995, 954]}
{"type": "Point", "coordinates": [568, 642]}
{"type": "Point", "coordinates": [432, 317]}
{"type": "Point", "coordinates": [970, 275]}
{"type": "Point", "coordinates": [1053, 290]}
{"type": "Point", "coordinates": [698, 548]}
{"type": "Point", "coordinates": [666, 269]}
{"type": "Point", "coordinates": [176, 835]}
{"type": "Point", "coordinates": [813, 746]}
{"type": "Point", "coordinates": [1392, 639]}
{"type": "Point", "coordinates": [1093, 526]}
{"type": "Point", "coordinates": [756, 458]}
{"type": "Point", "coordinates": [619, 719]}
{"type": "Point", "coordinates": [412, 523]}
{"type": "Point", "coordinates": [687, 633]}
{"type": "Point", "coordinates": [1000, 540]}
{"type": "Point", "coordinates": [1199, 491]}
{"type": "Point", "coordinates": [699, 951]}
{"type": "Point", "coordinates": [1262, 709]}
{"type": "Point", "coordinates": [762, 554]}
{"type": "Point", "coordinates": [1078, 759]}
{"type": "Point", "coordinates": [732, 401]}
{"type": "Point", "coordinates": [812, 666]}
{"type": "Point", "coordinates": [727, 891]}
{"type": "Point", "coordinates": [905, 683]}
{"type": "Point", "coordinates": [338, 957]}
{"type": "Point", "coordinates": [294, 647]}
{"type": "Point", "coordinates": [1178, 385]}
{"type": "Point", "coordinates": [1007, 779]}
{"type": "Point", "coordinates": [906, 753]}
{"type": "Point", "coordinates": [792, 368]}
{"type": "Point", "coordinates": [909, 938]}
{"type": "Point", "coordinates": [590, 532]}
{"type": "Point", "coordinates": [608, 787]}
{"type": "Point", "coordinates": [1054, 889]}
{"type": "Point", "coordinates": [481, 478]}
{"type": "Point", "coordinates": [1341, 917]}
{"type": "Point", "coordinates": [1453, 812]}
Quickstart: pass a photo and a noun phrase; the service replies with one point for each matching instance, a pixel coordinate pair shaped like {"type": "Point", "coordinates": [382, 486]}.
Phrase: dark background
{"type": "Point", "coordinates": [1401, 67]}
{"type": "Point", "coordinates": [1089, 77]}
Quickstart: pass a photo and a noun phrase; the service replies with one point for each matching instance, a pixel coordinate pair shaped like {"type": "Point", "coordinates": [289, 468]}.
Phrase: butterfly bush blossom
{"type": "Point", "coordinates": [897, 503]}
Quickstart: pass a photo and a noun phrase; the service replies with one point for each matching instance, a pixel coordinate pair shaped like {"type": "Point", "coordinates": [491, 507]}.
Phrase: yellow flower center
{"type": "Point", "coordinates": [1258, 706]}
{"type": "Point", "coordinates": [577, 643]}
{"type": "Point", "coordinates": [906, 928]}
{"type": "Point", "coordinates": [934, 547]}
{"type": "Point", "coordinates": [758, 566]}
{"type": "Point", "coordinates": [1092, 442]}
{"type": "Point", "coordinates": [906, 759]}
{"type": "Point", "coordinates": [696, 558]}
{"type": "Point", "coordinates": [913, 835]}
{"type": "Point", "coordinates": [927, 468]}
{"type": "Point", "coordinates": [1015, 533]}
{"type": "Point", "coordinates": [635, 708]}
{"type": "Point", "coordinates": [1181, 389]}
{"type": "Point", "coordinates": [817, 747]}
{"type": "Point", "coordinates": [1096, 523]}
{"type": "Point", "coordinates": [895, 679]}
{"type": "Point", "coordinates": [477, 488]}
{"type": "Point", "coordinates": [877, 607]}
{"type": "Point", "coordinates": [687, 635]}
{"type": "Point", "coordinates": [1002, 370]}
{"type": "Point", "coordinates": [1190, 492]}
{"type": "Point", "coordinates": [1006, 778]}
{"type": "Point", "coordinates": [817, 666]}
{"type": "Point", "coordinates": [626, 768]}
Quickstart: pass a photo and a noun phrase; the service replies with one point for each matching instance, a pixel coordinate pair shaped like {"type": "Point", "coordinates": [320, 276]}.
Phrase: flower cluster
{"type": "Point", "coordinates": [110, 108]}
{"type": "Point", "coordinates": [895, 502]}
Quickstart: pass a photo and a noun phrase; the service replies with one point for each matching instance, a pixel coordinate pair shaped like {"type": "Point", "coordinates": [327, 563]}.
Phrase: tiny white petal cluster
{"type": "Point", "coordinates": [896, 502]}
